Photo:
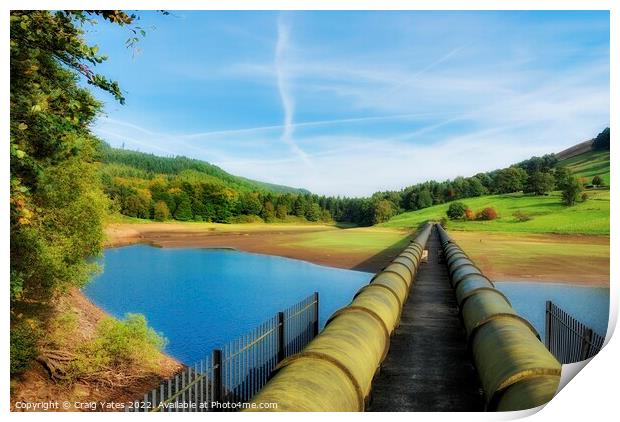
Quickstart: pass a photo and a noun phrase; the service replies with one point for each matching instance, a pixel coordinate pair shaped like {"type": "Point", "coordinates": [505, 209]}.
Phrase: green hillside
{"type": "Point", "coordinates": [547, 213]}
{"type": "Point", "coordinates": [589, 164]}
{"type": "Point", "coordinates": [126, 163]}
{"type": "Point", "coordinates": [147, 186]}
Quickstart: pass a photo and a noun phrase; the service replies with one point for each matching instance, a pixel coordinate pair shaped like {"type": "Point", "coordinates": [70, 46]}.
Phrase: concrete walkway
{"type": "Point", "coordinates": [428, 366]}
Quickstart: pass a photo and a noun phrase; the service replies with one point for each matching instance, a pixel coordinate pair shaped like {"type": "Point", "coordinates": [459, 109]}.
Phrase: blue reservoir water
{"type": "Point", "coordinates": [200, 299]}
{"type": "Point", "coordinates": [590, 305]}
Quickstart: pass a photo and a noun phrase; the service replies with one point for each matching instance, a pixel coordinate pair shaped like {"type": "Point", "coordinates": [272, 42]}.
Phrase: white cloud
{"type": "Point", "coordinates": [400, 114]}
{"type": "Point", "coordinates": [288, 103]}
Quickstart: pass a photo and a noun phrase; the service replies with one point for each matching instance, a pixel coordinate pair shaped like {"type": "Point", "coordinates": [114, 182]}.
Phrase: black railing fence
{"type": "Point", "coordinates": [568, 339]}
{"type": "Point", "coordinates": [231, 375]}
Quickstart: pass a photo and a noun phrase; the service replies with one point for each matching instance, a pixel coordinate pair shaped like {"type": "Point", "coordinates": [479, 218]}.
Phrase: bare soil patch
{"type": "Point", "coordinates": [573, 259]}
{"type": "Point", "coordinates": [271, 241]}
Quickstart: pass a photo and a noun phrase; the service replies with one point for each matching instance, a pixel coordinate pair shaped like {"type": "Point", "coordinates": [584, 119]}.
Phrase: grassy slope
{"type": "Point", "coordinates": [547, 212]}
{"type": "Point", "coordinates": [589, 164]}
{"type": "Point", "coordinates": [128, 163]}
{"type": "Point", "coordinates": [363, 239]}
{"type": "Point", "coordinates": [506, 249]}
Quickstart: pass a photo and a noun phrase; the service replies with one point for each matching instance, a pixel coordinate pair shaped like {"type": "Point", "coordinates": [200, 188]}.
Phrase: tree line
{"type": "Point", "coordinates": [161, 188]}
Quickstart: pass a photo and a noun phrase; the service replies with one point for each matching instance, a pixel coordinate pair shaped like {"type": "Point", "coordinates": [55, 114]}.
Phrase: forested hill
{"type": "Point", "coordinates": [147, 186]}
{"type": "Point", "coordinates": [145, 165]}
{"type": "Point", "coordinates": [152, 187]}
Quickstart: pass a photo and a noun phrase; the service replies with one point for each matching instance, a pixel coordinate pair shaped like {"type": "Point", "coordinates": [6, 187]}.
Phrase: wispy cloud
{"type": "Point", "coordinates": [316, 123]}
{"type": "Point", "coordinates": [330, 109]}
{"type": "Point", "coordinates": [415, 76]}
{"type": "Point", "coordinates": [288, 103]}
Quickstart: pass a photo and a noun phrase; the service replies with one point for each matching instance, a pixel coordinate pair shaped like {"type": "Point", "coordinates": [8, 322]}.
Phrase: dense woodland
{"type": "Point", "coordinates": [160, 188]}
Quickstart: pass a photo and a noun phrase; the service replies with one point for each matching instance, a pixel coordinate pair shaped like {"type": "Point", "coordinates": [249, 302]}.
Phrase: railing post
{"type": "Point", "coordinates": [315, 323]}
{"type": "Point", "coordinates": [548, 325]}
{"type": "Point", "coordinates": [280, 336]}
{"type": "Point", "coordinates": [217, 377]}
{"type": "Point", "coordinates": [585, 344]}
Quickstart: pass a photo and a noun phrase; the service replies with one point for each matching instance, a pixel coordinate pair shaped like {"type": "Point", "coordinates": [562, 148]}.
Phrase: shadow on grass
{"type": "Point", "coordinates": [543, 205]}
{"type": "Point", "coordinates": [381, 259]}
{"type": "Point", "coordinates": [599, 167]}
{"type": "Point", "coordinates": [345, 225]}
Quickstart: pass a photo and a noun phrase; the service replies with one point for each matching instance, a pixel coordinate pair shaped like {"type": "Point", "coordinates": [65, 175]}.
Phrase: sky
{"type": "Point", "coordinates": [350, 103]}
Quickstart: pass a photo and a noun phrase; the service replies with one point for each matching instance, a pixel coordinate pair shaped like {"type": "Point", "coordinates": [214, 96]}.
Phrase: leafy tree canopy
{"type": "Point", "coordinates": [57, 205]}
{"type": "Point", "coordinates": [456, 211]}
{"type": "Point", "coordinates": [539, 183]}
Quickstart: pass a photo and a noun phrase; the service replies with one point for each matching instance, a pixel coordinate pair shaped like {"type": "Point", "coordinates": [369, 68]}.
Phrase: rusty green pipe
{"type": "Point", "coordinates": [385, 303]}
{"type": "Point", "coordinates": [351, 347]}
{"type": "Point", "coordinates": [463, 272]}
{"type": "Point", "coordinates": [394, 283]}
{"type": "Point", "coordinates": [486, 305]}
{"type": "Point", "coordinates": [470, 286]}
{"type": "Point", "coordinates": [515, 369]}
{"type": "Point", "coordinates": [506, 353]}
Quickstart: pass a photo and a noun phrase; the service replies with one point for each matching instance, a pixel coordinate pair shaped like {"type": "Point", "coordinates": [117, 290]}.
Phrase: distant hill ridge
{"type": "Point", "coordinates": [600, 142]}
{"type": "Point", "coordinates": [152, 164]}
{"type": "Point", "coordinates": [580, 148]}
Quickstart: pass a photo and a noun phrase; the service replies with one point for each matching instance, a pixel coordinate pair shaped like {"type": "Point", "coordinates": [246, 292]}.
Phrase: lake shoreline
{"type": "Point", "coordinates": [277, 241]}
{"type": "Point", "coordinates": [280, 240]}
{"type": "Point", "coordinates": [224, 293]}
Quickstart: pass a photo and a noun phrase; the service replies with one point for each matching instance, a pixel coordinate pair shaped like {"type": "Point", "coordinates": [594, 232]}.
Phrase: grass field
{"type": "Point", "coordinates": [517, 256]}
{"type": "Point", "coordinates": [353, 240]}
{"type": "Point", "coordinates": [548, 215]}
{"type": "Point", "coordinates": [589, 164]}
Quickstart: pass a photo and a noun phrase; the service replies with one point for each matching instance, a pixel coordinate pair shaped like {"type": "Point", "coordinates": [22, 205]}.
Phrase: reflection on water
{"type": "Point", "coordinates": [590, 305]}
{"type": "Point", "coordinates": [202, 298]}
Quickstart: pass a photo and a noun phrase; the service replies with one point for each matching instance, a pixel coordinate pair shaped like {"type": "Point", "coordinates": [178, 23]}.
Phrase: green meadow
{"type": "Point", "coordinates": [547, 214]}
{"type": "Point", "coordinates": [589, 164]}
{"type": "Point", "coordinates": [354, 240]}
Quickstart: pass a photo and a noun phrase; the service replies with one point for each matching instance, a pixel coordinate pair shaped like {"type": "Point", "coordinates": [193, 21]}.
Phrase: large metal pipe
{"type": "Point", "coordinates": [515, 369]}
{"type": "Point", "coordinates": [334, 371]}
{"type": "Point", "coordinates": [393, 283]}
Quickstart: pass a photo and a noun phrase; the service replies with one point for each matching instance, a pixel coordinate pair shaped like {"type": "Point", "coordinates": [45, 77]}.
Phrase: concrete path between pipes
{"type": "Point", "coordinates": [428, 368]}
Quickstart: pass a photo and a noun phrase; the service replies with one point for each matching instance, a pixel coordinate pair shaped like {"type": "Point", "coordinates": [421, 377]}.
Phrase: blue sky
{"type": "Point", "coordinates": [349, 103]}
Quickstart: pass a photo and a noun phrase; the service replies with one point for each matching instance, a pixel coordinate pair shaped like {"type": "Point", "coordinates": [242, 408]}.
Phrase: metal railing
{"type": "Point", "coordinates": [234, 373]}
{"type": "Point", "coordinates": [568, 339]}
